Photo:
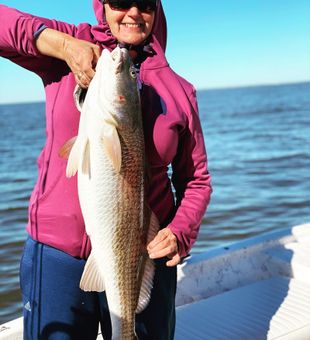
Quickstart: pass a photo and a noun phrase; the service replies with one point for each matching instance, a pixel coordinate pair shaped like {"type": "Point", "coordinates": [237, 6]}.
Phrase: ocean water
{"type": "Point", "coordinates": [258, 144]}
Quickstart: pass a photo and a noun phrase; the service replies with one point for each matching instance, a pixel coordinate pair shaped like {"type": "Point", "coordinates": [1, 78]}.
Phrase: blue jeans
{"type": "Point", "coordinates": [56, 308]}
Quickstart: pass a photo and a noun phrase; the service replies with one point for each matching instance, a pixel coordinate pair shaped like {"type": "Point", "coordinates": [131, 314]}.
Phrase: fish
{"type": "Point", "coordinates": [108, 156]}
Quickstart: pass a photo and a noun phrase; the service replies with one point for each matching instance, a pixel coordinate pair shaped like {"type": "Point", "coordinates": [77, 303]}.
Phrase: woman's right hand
{"type": "Point", "coordinates": [80, 55]}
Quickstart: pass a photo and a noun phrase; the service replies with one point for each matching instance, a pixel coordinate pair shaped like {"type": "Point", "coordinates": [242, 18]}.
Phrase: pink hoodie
{"type": "Point", "coordinates": [172, 130]}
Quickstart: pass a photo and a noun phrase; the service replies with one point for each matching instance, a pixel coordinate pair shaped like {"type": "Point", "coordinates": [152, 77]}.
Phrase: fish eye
{"type": "Point", "coordinates": [132, 72]}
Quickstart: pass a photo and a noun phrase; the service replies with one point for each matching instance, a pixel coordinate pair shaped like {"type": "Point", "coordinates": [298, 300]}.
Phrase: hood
{"type": "Point", "coordinates": [102, 33]}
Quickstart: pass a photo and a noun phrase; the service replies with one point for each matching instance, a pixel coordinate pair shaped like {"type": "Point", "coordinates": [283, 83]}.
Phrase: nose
{"type": "Point", "coordinates": [134, 11]}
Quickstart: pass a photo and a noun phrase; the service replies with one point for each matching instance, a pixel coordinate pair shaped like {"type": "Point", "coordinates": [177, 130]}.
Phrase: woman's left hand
{"type": "Point", "coordinates": [165, 244]}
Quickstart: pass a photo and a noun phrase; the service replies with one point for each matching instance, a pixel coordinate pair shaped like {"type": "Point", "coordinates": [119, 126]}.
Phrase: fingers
{"type": "Point", "coordinates": [174, 261]}
{"type": "Point", "coordinates": [82, 57]}
{"type": "Point", "coordinates": [97, 53]}
{"type": "Point", "coordinates": [161, 235]}
{"type": "Point", "coordinates": [164, 245]}
{"type": "Point", "coordinates": [83, 69]}
{"type": "Point", "coordinates": [82, 79]}
{"type": "Point", "coordinates": [167, 251]}
{"type": "Point", "coordinates": [89, 65]}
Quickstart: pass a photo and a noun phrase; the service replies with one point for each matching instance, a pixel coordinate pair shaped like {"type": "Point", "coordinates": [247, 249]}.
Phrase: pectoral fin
{"type": "Point", "coordinates": [86, 158]}
{"type": "Point", "coordinates": [112, 146]}
{"type": "Point", "coordinates": [92, 280]}
{"type": "Point", "coordinates": [78, 153]}
{"type": "Point", "coordinates": [65, 150]}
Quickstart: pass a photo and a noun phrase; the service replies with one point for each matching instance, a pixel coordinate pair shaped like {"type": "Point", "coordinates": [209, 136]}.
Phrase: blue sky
{"type": "Point", "coordinates": [213, 44]}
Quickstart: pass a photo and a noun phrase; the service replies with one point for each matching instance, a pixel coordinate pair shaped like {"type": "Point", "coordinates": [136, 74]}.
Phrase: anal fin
{"type": "Point", "coordinates": [92, 280]}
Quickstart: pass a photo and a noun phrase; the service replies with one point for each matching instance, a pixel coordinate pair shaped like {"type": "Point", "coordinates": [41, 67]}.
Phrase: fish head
{"type": "Point", "coordinates": [119, 89]}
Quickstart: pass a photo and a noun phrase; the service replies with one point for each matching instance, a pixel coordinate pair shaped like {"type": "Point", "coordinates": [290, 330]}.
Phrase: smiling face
{"type": "Point", "coordinates": [131, 26]}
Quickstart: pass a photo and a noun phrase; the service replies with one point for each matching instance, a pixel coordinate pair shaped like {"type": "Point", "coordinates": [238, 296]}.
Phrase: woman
{"type": "Point", "coordinates": [64, 55]}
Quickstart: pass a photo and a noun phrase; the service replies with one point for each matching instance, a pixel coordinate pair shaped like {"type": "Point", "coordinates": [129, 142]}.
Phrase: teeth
{"type": "Point", "coordinates": [133, 25]}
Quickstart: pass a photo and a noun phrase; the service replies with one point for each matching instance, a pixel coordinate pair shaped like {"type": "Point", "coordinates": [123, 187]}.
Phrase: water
{"type": "Point", "coordinates": [258, 142]}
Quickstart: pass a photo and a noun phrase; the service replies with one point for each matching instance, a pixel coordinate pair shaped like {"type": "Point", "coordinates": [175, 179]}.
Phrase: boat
{"type": "Point", "coordinates": [257, 288]}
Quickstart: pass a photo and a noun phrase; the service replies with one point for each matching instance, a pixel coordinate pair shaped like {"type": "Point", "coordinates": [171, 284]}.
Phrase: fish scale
{"type": "Point", "coordinates": [131, 185]}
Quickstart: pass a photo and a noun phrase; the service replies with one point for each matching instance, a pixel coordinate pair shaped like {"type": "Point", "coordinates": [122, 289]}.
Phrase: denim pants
{"type": "Point", "coordinates": [56, 308]}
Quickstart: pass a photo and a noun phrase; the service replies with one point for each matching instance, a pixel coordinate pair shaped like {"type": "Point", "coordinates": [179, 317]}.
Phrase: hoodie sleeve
{"type": "Point", "coordinates": [17, 38]}
{"type": "Point", "coordinates": [192, 183]}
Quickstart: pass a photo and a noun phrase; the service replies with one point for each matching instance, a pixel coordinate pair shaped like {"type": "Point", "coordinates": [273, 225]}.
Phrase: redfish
{"type": "Point", "coordinates": [109, 159]}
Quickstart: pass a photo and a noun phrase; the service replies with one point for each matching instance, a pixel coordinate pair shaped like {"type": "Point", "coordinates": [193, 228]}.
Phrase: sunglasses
{"type": "Point", "coordinates": [124, 5]}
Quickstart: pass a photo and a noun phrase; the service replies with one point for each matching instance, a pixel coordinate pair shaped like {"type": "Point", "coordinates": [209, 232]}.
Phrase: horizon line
{"type": "Point", "coordinates": [219, 88]}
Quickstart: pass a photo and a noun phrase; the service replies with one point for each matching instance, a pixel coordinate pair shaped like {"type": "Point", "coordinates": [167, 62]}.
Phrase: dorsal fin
{"type": "Point", "coordinates": [147, 276]}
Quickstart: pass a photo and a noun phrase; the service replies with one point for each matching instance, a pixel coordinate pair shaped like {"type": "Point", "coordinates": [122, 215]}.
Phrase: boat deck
{"type": "Point", "coordinates": [270, 301]}
{"type": "Point", "coordinates": [276, 308]}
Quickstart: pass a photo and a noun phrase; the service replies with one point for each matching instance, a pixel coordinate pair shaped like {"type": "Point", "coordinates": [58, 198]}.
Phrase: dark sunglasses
{"type": "Point", "coordinates": [124, 5]}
